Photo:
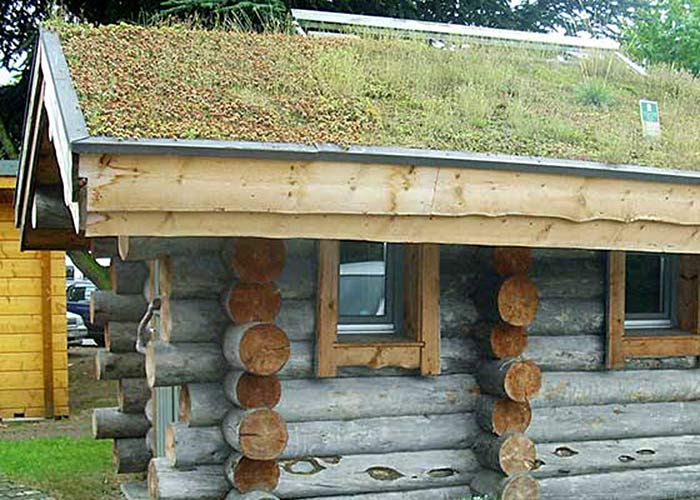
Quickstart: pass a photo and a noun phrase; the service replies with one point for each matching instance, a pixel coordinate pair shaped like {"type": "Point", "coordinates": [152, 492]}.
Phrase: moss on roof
{"type": "Point", "coordinates": [176, 82]}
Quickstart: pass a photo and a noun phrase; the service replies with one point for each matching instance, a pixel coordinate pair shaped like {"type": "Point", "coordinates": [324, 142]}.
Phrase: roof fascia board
{"type": "Point", "coordinates": [383, 155]}
{"type": "Point", "coordinates": [320, 18]}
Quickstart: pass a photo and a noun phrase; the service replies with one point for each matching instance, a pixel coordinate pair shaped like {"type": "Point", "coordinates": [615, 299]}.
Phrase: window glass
{"type": "Point", "coordinates": [76, 293]}
{"type": "Point", "coordinates": [644, 284]}
{"type": "Point", "coordinates": [362, 280]}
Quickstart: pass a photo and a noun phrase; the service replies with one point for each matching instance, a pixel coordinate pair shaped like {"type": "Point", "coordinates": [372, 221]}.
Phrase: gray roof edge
{"type": "Point", "coordinates": [387, 155]}
{"type": "Point", "coordinates": [9, 168]}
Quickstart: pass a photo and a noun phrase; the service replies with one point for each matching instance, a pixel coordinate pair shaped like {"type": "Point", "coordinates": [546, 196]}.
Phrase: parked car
{"type": "Point", "coordinates": [77, 330]}
{"type": "Point", "coordinates": [78, 302]}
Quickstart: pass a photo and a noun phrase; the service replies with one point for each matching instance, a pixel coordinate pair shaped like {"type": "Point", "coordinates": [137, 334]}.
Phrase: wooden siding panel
{"type": "Point", "coordinates": [30, 342]}
{"type": "Point", "coordinates": [30, 361]}
{"type": "Point", "coordinates": [10, 306]}
{"type": "Point", "coordinates": [32, 379]}
{"type": "Point", "coordinates": [31, 323]}
{"type": "Point", "coordinates": [28, 287]}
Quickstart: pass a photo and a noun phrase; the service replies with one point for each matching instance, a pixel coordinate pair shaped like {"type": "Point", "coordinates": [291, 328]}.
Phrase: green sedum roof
{"type": "Point", "coordinates": [176, 82]}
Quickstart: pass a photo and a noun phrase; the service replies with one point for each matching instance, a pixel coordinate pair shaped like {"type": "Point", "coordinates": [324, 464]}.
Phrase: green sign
{"type": "Point", "coordinates": [649, 111]}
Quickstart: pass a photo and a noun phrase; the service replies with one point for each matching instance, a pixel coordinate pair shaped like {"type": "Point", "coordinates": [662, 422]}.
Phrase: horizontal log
{"type": "Point", "coordinates": [203, 405]}
{"type": "Point", "coordinates": [566, 353]}
{"type": "Point", "coordinates": [362, 474]}
{"type": "Point", "coordinates": [569, 317]}
{"type": "Point", "coordinates": [184, 277]}
{"type": "Point", "coordinates": [496, 485]}
{"type": "Point", "coordinates": [202, 482]}
{"type": "Point", "coordinates": [541, 255]}
{"type": "Point", "coordinates": [346, 398]}
{"type": "Point", "coordinates": [104, 247]}
{"type": "Point", "coordinates": [127, 278]}
{"type": "Point", "coordinates": [120, 336]}
{"type": "Point", "coordinates": [258, 434]}
{"type": "Point", "coordinates": [585, 423]}
{"type": "Point", "coordinates": [187, 446]}
{"type": "Point", "coordinates": [192, 320]}
{"type": "Point", "coordinates": [110, 423]}
{"type": "Point", "coordinates": [257, 260]}
{"type": "Point", "coordinates": [251, 495]}
{"type": "Point", "coordinates": [247, 475]}
{"type": "Point", "coordinates": [501, 415]}
{"type": "Point", "coordinates": [570, 278]}
{"type": "Point", "coordinates": [596, 457]}
{"type": "Point", "coordinates": [500, 340]}
{"type": "Point", "coordinates": [457, 315]}
{"type": "Point", "coordinates": [460, 270]}
{"type": "Point", "coordinates": [647, 484]}
{"type": "Point", "coordinates": [248, 391]}
{"type": "Point", "coordinates": [511, 453]}
{"type": "Point", "coordinates": [130, 455]}
{"type": "Point", "coordinates": [105, 305]}
{"type": "Point", "coordinates": [177, 364]}
{"type": "Point", "coordinates": [611, 387]}
{"type": "Point", "coordinates": [113, 366]}
{"type": "Point", "coordinates": [257, 348]}
{"type": "Point", "coordinates": [149, 248]}
{"type": "Point", "coordinates": [298, 279]}
{"type": "Point", "coordinates": [517, 380]}
{"type": "Point", "coordinates": [248, 302]}
{"type": "Point", "coordinates": [448, 493]}
{"type": "Point", "coordinates": [381, 435]}
{"type": "Point", "coordinates": [132, 395]}
{"type": "Point", "coordinates": [297, 318]}
{"type": "Point", "coordinates": [672, 363]}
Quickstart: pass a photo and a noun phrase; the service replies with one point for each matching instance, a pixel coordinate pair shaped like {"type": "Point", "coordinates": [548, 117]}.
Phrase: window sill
{"type": "Point", "coordinates": [355, 339]}
{"type": "Point", "coordinates": [656, 332]}
{"type": "Point", "coordinates": [660, 344]}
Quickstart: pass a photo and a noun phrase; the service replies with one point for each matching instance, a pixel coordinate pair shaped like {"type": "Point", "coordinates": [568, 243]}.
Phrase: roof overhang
{"type": "Point", "coordinates": [164, 187]}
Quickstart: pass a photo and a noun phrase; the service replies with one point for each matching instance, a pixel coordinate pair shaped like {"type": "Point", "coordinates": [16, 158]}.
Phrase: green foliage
{"type": "Point", "coordinates": [594, 92]}
{"type": "Point", "coordinates": [251, 14]}
{"type": "Point", "coordinates": [667, 31]}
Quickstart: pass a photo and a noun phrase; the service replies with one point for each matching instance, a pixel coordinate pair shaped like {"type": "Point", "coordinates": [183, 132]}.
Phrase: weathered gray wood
{"type": "Point", "coordinates": [110, 423]}
{"type": "Point", "coordinates": [569, 278]}
{"type": "Point", "coordinates": [602, 388]}
{"type": "Point", "coordinates": [593, 457]}
{"type": "Point", "coordinates": [297, 318]}
{"type": "Point", "coordinates": [674, 363]}
{"type": "Point", "coordinates": [188, 277]}
{"type": "Point", "coordinates": [203, 482]}
{"type": "Point", "coordinates": [177, 364]}
{"type": "Point", "coordinates": [298, 279]}
{"type": "Point", "coordinates": [150, 248]}
{"type": "Point", "coordinates": [192, 320]}
{"type": "Point", "coordinates": [647, 484]}
{"type": "Point", "coordinates": [347, 398]}
{"type": "Point", "coordinates": [120, 336]}
{"type": "Point", "coordinates": [105, 305]}
{"type": "Point", "coordinates": [381, 435]}
{"type": "Point", "coordinates": [49, 210]}
{"type": "Point", "coordinates": [257, 348]}
{"type": "Point", "coordinates": [497, 486]}
{"type": "Point", "coordinates": [149, 409]}
{"type": "Point", "coordinates": [151, 440]}
{"type": "Point", "coordinates": [546, 254]}
{"type": "Point", "coordinates": [132, 395]}
{"type": "Point", "coordinates": [251, 495]}
{"type": "Point", "coordinates": [459, 271]}
{"type": "Point", "coordinates": [512, 453]}
{"type": "Point", "coordinates": [582, 423]}
{"type": "Point", "coordinates": [354, 474]}
{"type": "Point", "coordinates": [569, 317]}
{"type": "Point", "coordinates": [448, 493]}
{"type": "Point", "coordinates": [104, 247]}
{"type": "Point", "coordinates": [187, 446]}
{"type": "Point", "coordinates": [457, 315]}
{"type": "Point", "coordinates": [566, 353]}
{"type": "Point", "coordinates": [113, 366]}
{"type": "Point", "coordinates": [127, 277]}
{"type": "Point", "coordinates": [203, 405]}
{"type": "Point", "coordinates": [457, 355]}
{"type": "Point", "coordinates": [130, 455]}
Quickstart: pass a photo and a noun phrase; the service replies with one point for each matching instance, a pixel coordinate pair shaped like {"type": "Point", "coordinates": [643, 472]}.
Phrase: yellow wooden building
{"type": "Point", "coordinates": [33, 344]}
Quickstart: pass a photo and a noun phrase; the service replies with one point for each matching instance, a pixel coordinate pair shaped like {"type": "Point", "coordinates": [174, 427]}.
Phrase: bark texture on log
{"type": "Point", "coordinates": [247, 475]}
{"type": "Point", "coordinates": [110, 423]}
{"type": "Point", "coordinates": [259, 434]}
{"type": "Point", "coordinates": [120, 336]}
{"type": "Point", "coordinates": [130, 455]}
{"type": "Point", "coordinates": [150, 248]}
{"type": "Point", "coordinates": [512, 453]}
{"type": "Point", "coordinates": [257, 260]}
{"type": "Point", "coordinates": [253, 302]}
{"type": "Point", "coordinates": [257, 348]}
{"type": "Point", "coordinates": [252, 391]}
{"type": "Point", "coordinates": [192, 320]}
{"type": "Point", "coordinates": [175, 364]}
{"type": "Point", "coordinates": [517, 380]}
{"type": "Point", "coordinates": [501, 415]}
{"type": "Point", "coordinates": [132, 395]}
{"type": "Point", "coordinates": [347, 398]}
{"type": "Point", "coordinates": [448, 493]}
{"type": "Point", "coordinates": [203, 482]}
{"type": "Point", "coordinates": [381, 435]}
{"type": "Point", "coordinates": [497, 486]}
{"type": "Point", "coordinates": [500, 340]}
{"type": "Point", "coordinates": [203, 405]}
{"type": "Point", "coordinates": [113, 366]}
{"type": "Point", "coordinates": [569, 317]}
{"type": "Point", "coordinates": [568, 353]}
{"type": "Point", "coordinates": [127, 277]}
{"type": "Point", "coordinates": [187, 446]}
{"type": "Point", "coordinates": [105, 305]}
{"type": "Point", "coordinates": [184, 277]}
{"type": "Point", "coordinates": [568, 278]}
{"type": "Point", "coordinates": [353, 474]}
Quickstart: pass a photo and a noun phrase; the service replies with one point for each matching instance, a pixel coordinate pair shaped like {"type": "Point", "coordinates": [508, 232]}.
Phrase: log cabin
{"type": "Point", "coordinates": [378, 259]}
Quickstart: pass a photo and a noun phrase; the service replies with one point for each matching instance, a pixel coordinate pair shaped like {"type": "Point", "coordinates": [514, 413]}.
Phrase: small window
{"type": "Point", "coordinates": [649, 291]}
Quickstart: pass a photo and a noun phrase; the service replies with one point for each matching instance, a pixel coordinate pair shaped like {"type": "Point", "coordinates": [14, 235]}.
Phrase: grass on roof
{"type": "Point", "coordinates": [177, 82]}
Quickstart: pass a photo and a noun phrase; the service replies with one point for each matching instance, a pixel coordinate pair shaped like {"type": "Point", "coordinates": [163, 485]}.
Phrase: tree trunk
{"type": "Point", "coordinates": [132, 395]}
{"type": "Point", "coordinates": [188, 446]}
{"type": "Point", "coordinates": [257, 260]}
{"type": "Point", "coordinates": [257, 348]}
{"type": "Point", "coordinates": [502, 415]}
{"type": "Point", "coordinates": [203, 482]}
{"type": "Point", "coordinates": [192, 320]}
{"type": "Point", "coordinates": [203, 405]}
{"type": "Point", "coordinates": [248, 391]}
{"type": "Point", "coordinates": [185, 277]}
{"type": "Point", "coordinates": [127, 277]}
{"type": "Point", "coordinates": [177, 364]}
{"type": "Point", "coordinates": [570, 278]}
{"type": "Point", "coordinates": [517, 380]}
{"type": "Point", "coordinates": [113, 366]}
{"type": "Point", "coordinates": [92, 269]}
{"type": "Point", "coordinates": [150, 248]}
{"type": "Point", "coordinates": [105, 305]}
{"type": "Point", "coordinates": [513, 300]}
{"type": "Point", "coordinates": [120, 336]}
{"type": "Point", "coordinates": [110, 423]}
{"type": "Point", "coordinates": [500, 340]}
{"type": "Point", "coordinates": [259, 434]}
{"type": "Point", "coordinates": [297, 318]}
{"type": "Point", "coordinates": [511, 453]}
{"type": "Point", "coordinates": [566, 353]}
{"type": "Point", "coordinates": [253, 302]}
{"type": "Point", "coordinates": [497, 486]}
{"type": "Point", "coordinates": [569, 317]}
{"type": "Point", "coordinates": [248, 475]}
{"type": "Point", "coordinates": [130, 455]}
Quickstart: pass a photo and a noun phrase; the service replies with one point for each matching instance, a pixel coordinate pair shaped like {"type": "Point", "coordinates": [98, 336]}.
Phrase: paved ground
{"type": "Point", "coordinates": [12, 491]}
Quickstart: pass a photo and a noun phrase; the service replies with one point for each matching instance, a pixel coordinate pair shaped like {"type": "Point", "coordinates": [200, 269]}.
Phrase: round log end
{"type": "Point", "coordinates": [262, 435]}
{"type": "Point", "coordinates": [523, 381]}
{"type": "Point", "coordinates": [250, 475]}
{"type": "Point", "coordinates": [264, 349]}
{"type": "Point", "coordinates": [152, 479]}
{"type": "Point", "coordinates": [258, 259]}
{"type": "Point", "coordinates": [521, 487]}
{"type": "Point", "coordinates": [170, 444]}
{"type": "Point", "coordinates": [516, 454]}
{"type": "Point", "coordinates": [508, 341]}
{"type": "Point", "coordinates": [249, 302]}
{"type": "Point", "coordinates": [509, 415]}
{"type": "Point", "coordinates": [254, 391]}
{"type": "Point", "coordinates": [508, 261]}
{"type": "Point", "coordinates": [518, 301]}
